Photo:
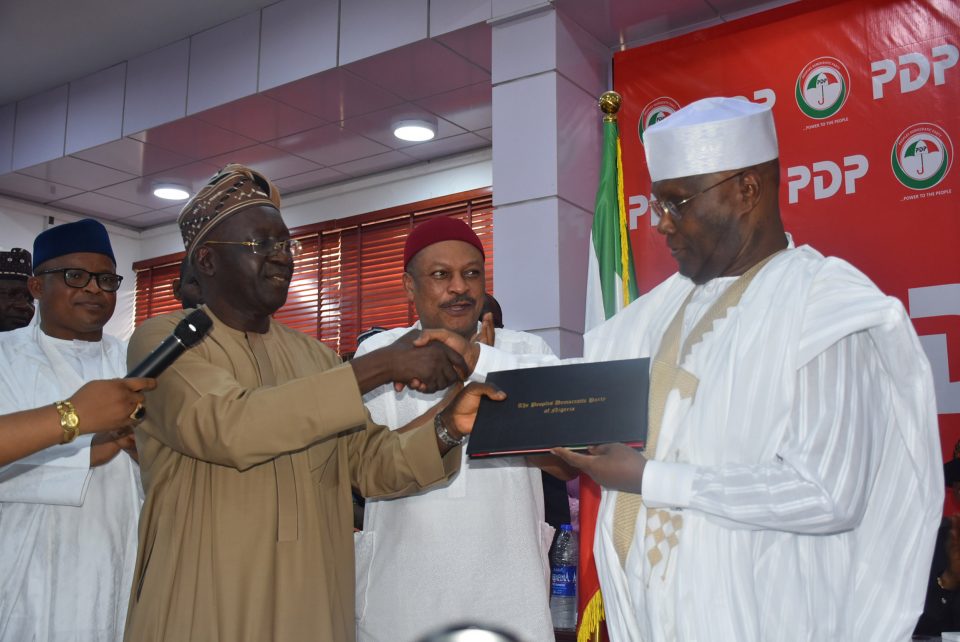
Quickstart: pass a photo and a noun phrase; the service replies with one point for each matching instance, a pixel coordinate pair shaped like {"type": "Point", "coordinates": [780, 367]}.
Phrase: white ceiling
{"type": "Point", "coordinates": [46, 43]}
{"type": "Point", "coordinates": [323, 129]}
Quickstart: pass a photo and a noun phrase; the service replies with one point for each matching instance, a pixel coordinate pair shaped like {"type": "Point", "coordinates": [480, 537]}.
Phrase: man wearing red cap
{"type": "Point", "coordinates": [413, 572]}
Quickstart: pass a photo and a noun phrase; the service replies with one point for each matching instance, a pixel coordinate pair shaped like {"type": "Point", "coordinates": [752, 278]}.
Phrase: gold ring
{"type": "Point", "coordinates": [138, 412]}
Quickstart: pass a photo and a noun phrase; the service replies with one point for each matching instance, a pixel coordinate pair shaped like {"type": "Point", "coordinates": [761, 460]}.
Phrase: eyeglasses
{"type": "Point", "coordinates": [78, 278]}
{"type": "Point", "coordinates": [661, 208]}
{"type": "Point", "coordinates": [266, 247]}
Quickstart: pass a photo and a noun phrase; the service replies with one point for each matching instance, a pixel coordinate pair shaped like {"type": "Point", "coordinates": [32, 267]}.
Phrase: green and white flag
{"type": "Point", "coordinates": [611, 281]}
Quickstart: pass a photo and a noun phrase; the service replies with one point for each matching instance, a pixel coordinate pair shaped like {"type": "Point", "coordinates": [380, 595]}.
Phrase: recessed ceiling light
{"type": "Point", "coordinates": [170, 192]}
{"type": "Point", "coordinates": [415, 130]}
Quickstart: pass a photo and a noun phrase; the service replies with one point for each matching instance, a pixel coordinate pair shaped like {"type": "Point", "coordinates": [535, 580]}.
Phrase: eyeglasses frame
{"type": "Point", "coordinates": [673, 209]}
{"type": "Point", "coordinates": [294, 245]}
{"type": "Point", "coordinates": [90, 276]}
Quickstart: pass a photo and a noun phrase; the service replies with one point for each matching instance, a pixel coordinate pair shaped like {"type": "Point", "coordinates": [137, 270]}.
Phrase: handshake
{"type": "Point", "coordinates": [425, 361]}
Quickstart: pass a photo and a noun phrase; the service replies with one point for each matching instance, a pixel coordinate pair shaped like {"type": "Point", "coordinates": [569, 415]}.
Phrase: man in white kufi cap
{"type": "Point", "coordinates": [792, 483]}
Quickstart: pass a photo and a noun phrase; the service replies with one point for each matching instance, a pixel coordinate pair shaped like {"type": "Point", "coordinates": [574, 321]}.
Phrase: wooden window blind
{"type": "Point", "coordinates": [348, 276]}
{"type": "Point", "coordinates": [155, 286]}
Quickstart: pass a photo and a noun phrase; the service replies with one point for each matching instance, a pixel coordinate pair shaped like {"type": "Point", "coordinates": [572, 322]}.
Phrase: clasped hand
{"type": "Point", "coordinates": [425, 361]}
{"type": "Point", "coordinates": [613, 466]}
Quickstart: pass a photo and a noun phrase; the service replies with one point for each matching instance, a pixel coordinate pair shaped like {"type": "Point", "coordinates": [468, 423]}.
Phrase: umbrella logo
{"type": "Point", "coordinates": [654, 112]}
{"type": "Point", "coordinates": [822, 88]}
{"type": "Point", "coordinates": [922, 156]}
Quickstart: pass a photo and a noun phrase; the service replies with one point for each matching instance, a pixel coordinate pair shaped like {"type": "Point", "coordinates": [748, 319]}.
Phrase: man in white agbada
{"type": "Point", "coordinates": [68, 514]}
{"type": "Point", "coordinates": [474, 550]}
{"type": "Point", "coordinates": [792, 484]}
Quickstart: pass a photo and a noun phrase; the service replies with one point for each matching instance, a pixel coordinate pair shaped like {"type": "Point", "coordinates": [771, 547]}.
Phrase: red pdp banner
{"type": "Point", "coordinates": [866, 98]}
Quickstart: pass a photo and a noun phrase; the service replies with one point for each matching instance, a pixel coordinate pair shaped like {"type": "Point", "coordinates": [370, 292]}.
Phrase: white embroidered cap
{"type": "Point", "coordinates": [710, 135]}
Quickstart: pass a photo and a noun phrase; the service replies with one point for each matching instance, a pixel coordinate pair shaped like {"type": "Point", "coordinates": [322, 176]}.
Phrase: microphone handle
{"type": "Point", "coordinates": [158, 360]}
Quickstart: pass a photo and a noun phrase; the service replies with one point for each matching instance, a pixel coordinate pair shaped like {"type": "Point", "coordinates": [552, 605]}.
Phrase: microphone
{"type": "Point", "coordinates": [186, 335]}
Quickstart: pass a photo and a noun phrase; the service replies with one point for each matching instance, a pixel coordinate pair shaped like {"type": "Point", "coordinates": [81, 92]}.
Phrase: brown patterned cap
{"type": "Point", "coordinates": [16, 264]}
{"type": "Point", "coordinates": [232, 189]}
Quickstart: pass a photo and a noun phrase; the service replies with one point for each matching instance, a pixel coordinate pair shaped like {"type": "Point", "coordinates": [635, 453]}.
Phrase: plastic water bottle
{"type": "Point", "coordinates": [563, 583]}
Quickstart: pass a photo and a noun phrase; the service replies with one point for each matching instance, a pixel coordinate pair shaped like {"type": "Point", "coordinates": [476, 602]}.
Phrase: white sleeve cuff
{"type": "Point", "coordinates": [491, 360]}
{"type": "Point", "coordinates": [44, 478]}
{"type": "Point", "coordinates": [667, 484]}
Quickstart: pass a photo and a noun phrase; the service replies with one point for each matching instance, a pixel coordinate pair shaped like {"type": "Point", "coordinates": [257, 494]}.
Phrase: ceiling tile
{"type": "Point", "coordinates": [194, 138]}
{"type": "Point", "coordinates": [450, 15]}
{"type": "Point", "coordinates": [374, 164]}
{"type": "Point", "coordinates": [272, 162]}
{"type": "Point", "coordinates": [334, 95]}
{"type": "Point", "coordinates": [152, 218]}
{"type": "Point", "coordinates": [732, 9]}
{"type": "Point", "coordinates": [368, 27]}
{"type": "Point", "coordinates": [260, 118]}
{"type": "Point", "coordinates": [473, 43]}
{"type": "Point", "coordinates": [133, 157]}
{"type": "Point", "coordinates": [422, 69]}
{"type": "Point", "coordinates": [140, 190]}
{"type": "Point", "coordinates": [446, 146]}
{"type": "Point", "coordinates": [315, 178]}
{"type": "Point", "coordinates": [100, 206]}
{"type": "Point", "coordinates": [469, 107]}
{"type": "Point", "coordinates": [330, 145]}
{"type": "Point", "coordinates": [621, 22]}
{"type": "Point", "coordinates": [77, 173]}
{"type": "Point", "coordinates": [379, 125]}
{"type": "Point", "coordinates": [34, 189]}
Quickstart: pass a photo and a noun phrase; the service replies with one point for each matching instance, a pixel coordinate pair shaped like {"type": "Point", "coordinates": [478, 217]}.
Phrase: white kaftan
{"type": "Point", "coordinates": [68, 533]}
{"type": "Point", "coordinates": [474, 550]}
{"type": "Point", "coordinates": [806, 467]}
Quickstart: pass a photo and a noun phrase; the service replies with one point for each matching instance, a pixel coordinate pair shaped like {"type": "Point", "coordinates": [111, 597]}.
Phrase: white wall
{"type": "Point", "coordinates": [20, 221]}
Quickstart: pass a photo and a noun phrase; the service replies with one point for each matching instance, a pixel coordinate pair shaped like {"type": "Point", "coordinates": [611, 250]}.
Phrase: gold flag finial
{"type": "Point", "coordinates": [609, 103]}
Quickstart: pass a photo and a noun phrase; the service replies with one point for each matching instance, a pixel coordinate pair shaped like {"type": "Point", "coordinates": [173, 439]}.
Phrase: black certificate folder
{"type": "Point", "coordinates": [576, 406]}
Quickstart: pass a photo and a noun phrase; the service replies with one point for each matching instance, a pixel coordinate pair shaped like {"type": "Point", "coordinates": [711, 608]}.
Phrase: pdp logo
{"type": "Point", "coordinates": [922, 156]}
{"type": "Point", "coordinates": [822, 88]}
{"type": "Point", "coordinates": [654, 112]}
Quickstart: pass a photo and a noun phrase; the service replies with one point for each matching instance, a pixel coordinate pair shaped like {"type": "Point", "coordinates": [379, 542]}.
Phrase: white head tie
{"type": "Point", "coordinates": [710, 135]}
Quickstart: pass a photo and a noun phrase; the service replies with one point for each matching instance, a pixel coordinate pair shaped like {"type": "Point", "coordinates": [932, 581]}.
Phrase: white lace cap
{"type": "Point", "coordinates": [710, 135]}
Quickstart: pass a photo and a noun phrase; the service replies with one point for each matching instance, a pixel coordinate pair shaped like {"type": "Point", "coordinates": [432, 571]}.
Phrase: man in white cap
{"type": "Point", "coordinates": [792, 483]}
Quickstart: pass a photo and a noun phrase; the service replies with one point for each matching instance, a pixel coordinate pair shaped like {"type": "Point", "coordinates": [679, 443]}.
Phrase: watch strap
{"type": "Point", "coordinates": [69, 421]}
{"type": "Point", "coordinates": [443, 433]}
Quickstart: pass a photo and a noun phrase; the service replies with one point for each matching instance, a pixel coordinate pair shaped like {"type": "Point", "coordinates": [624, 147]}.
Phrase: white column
{"type": "Point", "coordinates": [547, 74]}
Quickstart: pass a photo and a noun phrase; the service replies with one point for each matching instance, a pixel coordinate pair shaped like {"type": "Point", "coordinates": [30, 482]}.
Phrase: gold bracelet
{"type": "Point", "coordinates": [69, 421]}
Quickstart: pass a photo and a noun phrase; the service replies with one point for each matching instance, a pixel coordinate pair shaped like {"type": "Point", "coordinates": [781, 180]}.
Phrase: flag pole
{"type": "Point", "coordinates": [611, 285]}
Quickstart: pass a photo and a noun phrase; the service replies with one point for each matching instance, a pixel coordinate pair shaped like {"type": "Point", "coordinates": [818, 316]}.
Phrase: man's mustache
{"type": "Point", "coordinates": [469, 300]}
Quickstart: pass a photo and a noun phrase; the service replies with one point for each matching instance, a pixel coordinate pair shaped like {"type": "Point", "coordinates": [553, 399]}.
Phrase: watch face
{"type": "Point", "coordinates": [71, 420]}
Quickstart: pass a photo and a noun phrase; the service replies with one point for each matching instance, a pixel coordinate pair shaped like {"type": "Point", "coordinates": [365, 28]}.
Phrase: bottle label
{"type": "Point", "coordinates": [563, 581]}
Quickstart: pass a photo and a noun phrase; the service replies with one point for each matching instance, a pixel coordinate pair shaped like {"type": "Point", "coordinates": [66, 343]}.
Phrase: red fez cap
{"type": "Point", "coordinates": [436, 230]}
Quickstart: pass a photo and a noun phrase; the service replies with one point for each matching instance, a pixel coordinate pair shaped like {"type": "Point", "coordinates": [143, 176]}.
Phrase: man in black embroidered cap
{"type": "Point", "coordinates": [68, 514]}
{"type": "Point", "coordinates": [16, 302]}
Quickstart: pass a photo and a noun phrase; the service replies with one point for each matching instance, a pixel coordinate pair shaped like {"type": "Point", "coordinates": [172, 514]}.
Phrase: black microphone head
{"type": "Point", "coordinates": [193, 328]}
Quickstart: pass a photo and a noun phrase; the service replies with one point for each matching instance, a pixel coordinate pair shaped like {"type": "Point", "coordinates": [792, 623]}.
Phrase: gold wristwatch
{"type": "Point", "coordinates": [69, 421]}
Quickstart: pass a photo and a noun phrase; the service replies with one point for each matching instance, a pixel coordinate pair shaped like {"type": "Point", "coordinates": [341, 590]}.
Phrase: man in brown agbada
{"type": "Point", "coordinates": [253, 439]}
